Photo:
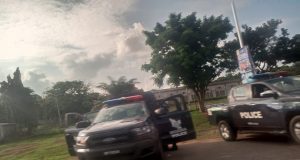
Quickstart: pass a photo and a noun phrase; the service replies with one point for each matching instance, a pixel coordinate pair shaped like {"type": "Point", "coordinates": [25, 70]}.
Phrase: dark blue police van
{"type": "Point", "coordinates": [267, 105]}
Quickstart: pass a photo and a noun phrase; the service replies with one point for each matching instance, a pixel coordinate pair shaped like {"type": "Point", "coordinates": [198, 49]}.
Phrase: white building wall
{"type": "Point", "coordinates": [213, 91]}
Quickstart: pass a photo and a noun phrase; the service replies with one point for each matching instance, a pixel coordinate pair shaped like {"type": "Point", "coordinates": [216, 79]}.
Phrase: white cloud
{"type": "Point", "coordinates": [65, 40]}
{"type": "Point", "coordinates": [87, 39]}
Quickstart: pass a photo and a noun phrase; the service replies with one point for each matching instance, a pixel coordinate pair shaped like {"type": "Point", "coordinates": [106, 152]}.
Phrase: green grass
{"type": "Point", "coordinates": [202, 127]}
{"type": "Point", "coordinates": [216, 101]}
{"type": "Point", "coordinates": [45, 147]}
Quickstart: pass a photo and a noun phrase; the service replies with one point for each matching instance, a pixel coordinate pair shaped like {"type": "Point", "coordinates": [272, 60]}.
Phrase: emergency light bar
{"type": "Point", "coordinates": [122, 100]}
{"type": "Point", "coordinates": [268, 75]}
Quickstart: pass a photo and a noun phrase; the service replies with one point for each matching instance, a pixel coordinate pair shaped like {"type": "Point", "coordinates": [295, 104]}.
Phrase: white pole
{"type": "Point", "coordinates": [58, 112]}
{"type": "Point", "coordinates": [237, 26]}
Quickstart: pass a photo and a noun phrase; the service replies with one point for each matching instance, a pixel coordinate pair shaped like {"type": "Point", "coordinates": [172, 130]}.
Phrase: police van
{"type": "Point", "coordinates": [270, 105]}
{"type": "Point", "coordinates": [134, 127]}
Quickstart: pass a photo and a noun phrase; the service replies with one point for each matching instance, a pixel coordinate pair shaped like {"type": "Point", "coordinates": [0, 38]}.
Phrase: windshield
{"type": "Point", "coordinates": [119, 112]}
{"type": "Point", "coordinates": [90, 116]}
{"type": "Point", "coordinates": [286, 84]}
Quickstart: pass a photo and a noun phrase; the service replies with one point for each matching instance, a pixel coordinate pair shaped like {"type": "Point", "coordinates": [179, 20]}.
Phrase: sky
{"type": "Point", "coordinates": [89, 40]}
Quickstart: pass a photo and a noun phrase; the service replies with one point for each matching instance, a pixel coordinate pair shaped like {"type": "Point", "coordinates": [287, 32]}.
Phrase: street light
{"type": "Point", "coordinates": [57, 107]}
{"type": "Point", "coordinates": [58, 112]}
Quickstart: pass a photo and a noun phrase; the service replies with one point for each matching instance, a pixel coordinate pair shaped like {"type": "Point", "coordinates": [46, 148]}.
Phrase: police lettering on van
{"type": "Point", "coordinates": [251, 115]}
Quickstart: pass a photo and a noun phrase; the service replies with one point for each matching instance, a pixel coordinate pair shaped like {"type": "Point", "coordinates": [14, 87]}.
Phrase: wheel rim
{"type": "Point", "coordinates": [297, 129]}
{"type": "Point", "coordinates": [225, 131]}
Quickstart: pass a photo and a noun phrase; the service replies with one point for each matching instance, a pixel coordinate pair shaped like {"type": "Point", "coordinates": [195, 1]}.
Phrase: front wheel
{"type": "Point", "coordinates": [227, 132]}
{"type": "Point", "coordinates": [294, 128]}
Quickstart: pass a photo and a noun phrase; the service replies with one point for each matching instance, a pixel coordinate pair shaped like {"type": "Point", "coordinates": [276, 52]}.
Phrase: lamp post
{"type": "Point", "coordinates": [58, 111]}
{"type": "Point", "coordinates": [237, 25]}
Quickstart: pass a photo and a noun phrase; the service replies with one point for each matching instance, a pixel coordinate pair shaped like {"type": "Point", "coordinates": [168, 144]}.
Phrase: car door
{"type": "Point", "coordinates": [268, 107]}
{"type": "Point", "coordinates": [176, 124]}
{"type": "Point", "coordinates": [239, 105]}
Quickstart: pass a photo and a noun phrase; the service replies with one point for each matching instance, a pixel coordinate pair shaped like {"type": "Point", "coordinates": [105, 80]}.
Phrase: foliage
{"type": "Point", "coordinates": [18, 103]}
{"type": "Point", "coordinates": [68, 96]}
{"type": "Point", "coordinates": [292, 70]}
{"type": "Point", "coordinates": [228, 77]}
{"type": "Point", "coordinates": [119, 87]}
{"type": "Point", "coordinates": [186, 51]}
{"type": "Point", "coordinates": [267, 47]}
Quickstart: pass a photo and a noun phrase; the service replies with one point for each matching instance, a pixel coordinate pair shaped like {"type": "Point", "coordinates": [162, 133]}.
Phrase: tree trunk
{"type": "Point", "coordinates": [200, 100]}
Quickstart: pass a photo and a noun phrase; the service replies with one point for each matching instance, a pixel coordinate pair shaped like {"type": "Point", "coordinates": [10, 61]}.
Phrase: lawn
{"type": "Point", "coordinates": [50, 147]}
{"type": "Point", "coordinates": [203, 129]}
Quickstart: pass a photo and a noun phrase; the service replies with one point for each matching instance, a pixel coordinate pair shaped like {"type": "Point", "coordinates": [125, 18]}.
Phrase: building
{"type": "Point", "coordinates": [7, 131]}
{"type": "Point", "coordinates": [214, 90]}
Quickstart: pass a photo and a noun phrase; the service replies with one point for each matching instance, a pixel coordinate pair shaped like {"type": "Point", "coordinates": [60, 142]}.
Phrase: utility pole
{"type": "Point", "coordinates": [58, 112]}
{"type": "Point", "coordinates": [246, 65]}
{"type": "Point", "coordinates": [237, 25]}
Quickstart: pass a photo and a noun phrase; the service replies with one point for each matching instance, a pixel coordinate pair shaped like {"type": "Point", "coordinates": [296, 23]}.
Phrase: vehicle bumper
{"type": "Point", "coordinates": [125, 151]}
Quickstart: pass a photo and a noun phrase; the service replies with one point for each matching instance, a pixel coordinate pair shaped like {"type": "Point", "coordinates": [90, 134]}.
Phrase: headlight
{"type": "Point", "coordinates": [80, 140]}
{"type": "Point", "coordinates": [142, 130]}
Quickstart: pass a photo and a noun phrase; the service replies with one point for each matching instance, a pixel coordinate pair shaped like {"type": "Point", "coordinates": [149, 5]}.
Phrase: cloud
{"type": "Point", "coordinates": [37, 81]}
{"type": "Point", "coordinates": [131, 43]}
{"type": "Point", "coordinates": [87, 39]}
{"type": "Point", "coordinates": [85, 68]}
{"type": "Point", "coordinates": [67, 5]}
{"type": "Point", "coordinates": [71, 47]}
{"type": "Point", "coordinates": [151, 12]}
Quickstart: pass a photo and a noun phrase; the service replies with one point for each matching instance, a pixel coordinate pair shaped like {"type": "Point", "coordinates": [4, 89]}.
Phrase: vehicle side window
{"type": "Point", "coordinates": [240, 93]}
{"type": "Point", "coordinates": [257, 89]}
{"type": "Point", "coordinates": [173, 104]}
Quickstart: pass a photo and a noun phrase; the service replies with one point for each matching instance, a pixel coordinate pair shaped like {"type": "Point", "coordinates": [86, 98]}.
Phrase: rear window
{"type": "Point", "coordinates": [240, 93]}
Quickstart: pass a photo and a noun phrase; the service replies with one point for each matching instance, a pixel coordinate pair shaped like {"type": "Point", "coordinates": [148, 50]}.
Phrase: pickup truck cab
{"type": "Point", "coordinates": [271, 106]}
{"type": "Point", "coordinates": [135, 127]}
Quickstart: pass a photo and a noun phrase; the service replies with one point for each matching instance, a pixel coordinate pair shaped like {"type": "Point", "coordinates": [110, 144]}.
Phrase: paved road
{"type": "Point", "coordinates": [250, 147]}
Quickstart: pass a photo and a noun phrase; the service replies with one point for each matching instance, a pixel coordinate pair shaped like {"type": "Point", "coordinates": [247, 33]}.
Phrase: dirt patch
{"type": "Point", "coordinates": [20, 149]}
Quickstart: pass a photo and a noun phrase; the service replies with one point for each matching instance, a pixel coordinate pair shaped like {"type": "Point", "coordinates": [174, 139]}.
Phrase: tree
{"type": "Point", "coordinates": [119, 87]}
{"type": "Point", "coordinates": [294, 50]}
{"type": "Point", "coordinates": [292, 70]}
{"type": "Point", "coordinates": [186, 51]}
{"type": "Point", "coordinates": [267, 47]}
{"type": "Point", "coordinates": [18, 103]}
{"type": "Point", "coordinates": [68, 96]}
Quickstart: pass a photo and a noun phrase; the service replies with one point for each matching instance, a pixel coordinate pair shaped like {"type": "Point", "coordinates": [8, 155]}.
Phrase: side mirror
{"type": "Point", "coordinates": [161, 111]}
{"type": "Point", "coordinates": [268, 94]}
{"type": "Point", "coordinates": [83, 124]}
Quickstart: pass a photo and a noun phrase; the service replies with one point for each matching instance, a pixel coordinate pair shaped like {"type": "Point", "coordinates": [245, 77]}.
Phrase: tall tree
{"type": "Point", "coordinates": [187, 51]}
{"type": "Point", "coordinates": [18, 102]}
{"type": "Point", "coordinates": [267, 46]}
{"type": "Point", "coordinates": [119, 87]}
{"type": "Point", "coordinates": [68, 96]}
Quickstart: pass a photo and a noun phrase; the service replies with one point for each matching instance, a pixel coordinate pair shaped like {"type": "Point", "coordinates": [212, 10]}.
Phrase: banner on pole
{"type": "Point", "coordinates": [246, 64]}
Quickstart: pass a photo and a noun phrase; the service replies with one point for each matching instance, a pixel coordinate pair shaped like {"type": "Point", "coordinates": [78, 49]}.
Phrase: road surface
{"type": "Point", "coordinates": [250, 147]}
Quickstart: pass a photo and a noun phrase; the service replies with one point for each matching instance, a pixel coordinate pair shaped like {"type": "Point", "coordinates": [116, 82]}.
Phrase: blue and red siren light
{"type": "Point", "coordinates": [268, 75]}
{"type": "Point", "coordinates": [123, 100]}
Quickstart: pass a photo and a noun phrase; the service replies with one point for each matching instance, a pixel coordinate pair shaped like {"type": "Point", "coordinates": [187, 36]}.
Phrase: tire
{"type": "Point", "coordinates": [294, 129]}
{"type": "Point", "coordinates": [227, 132]}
